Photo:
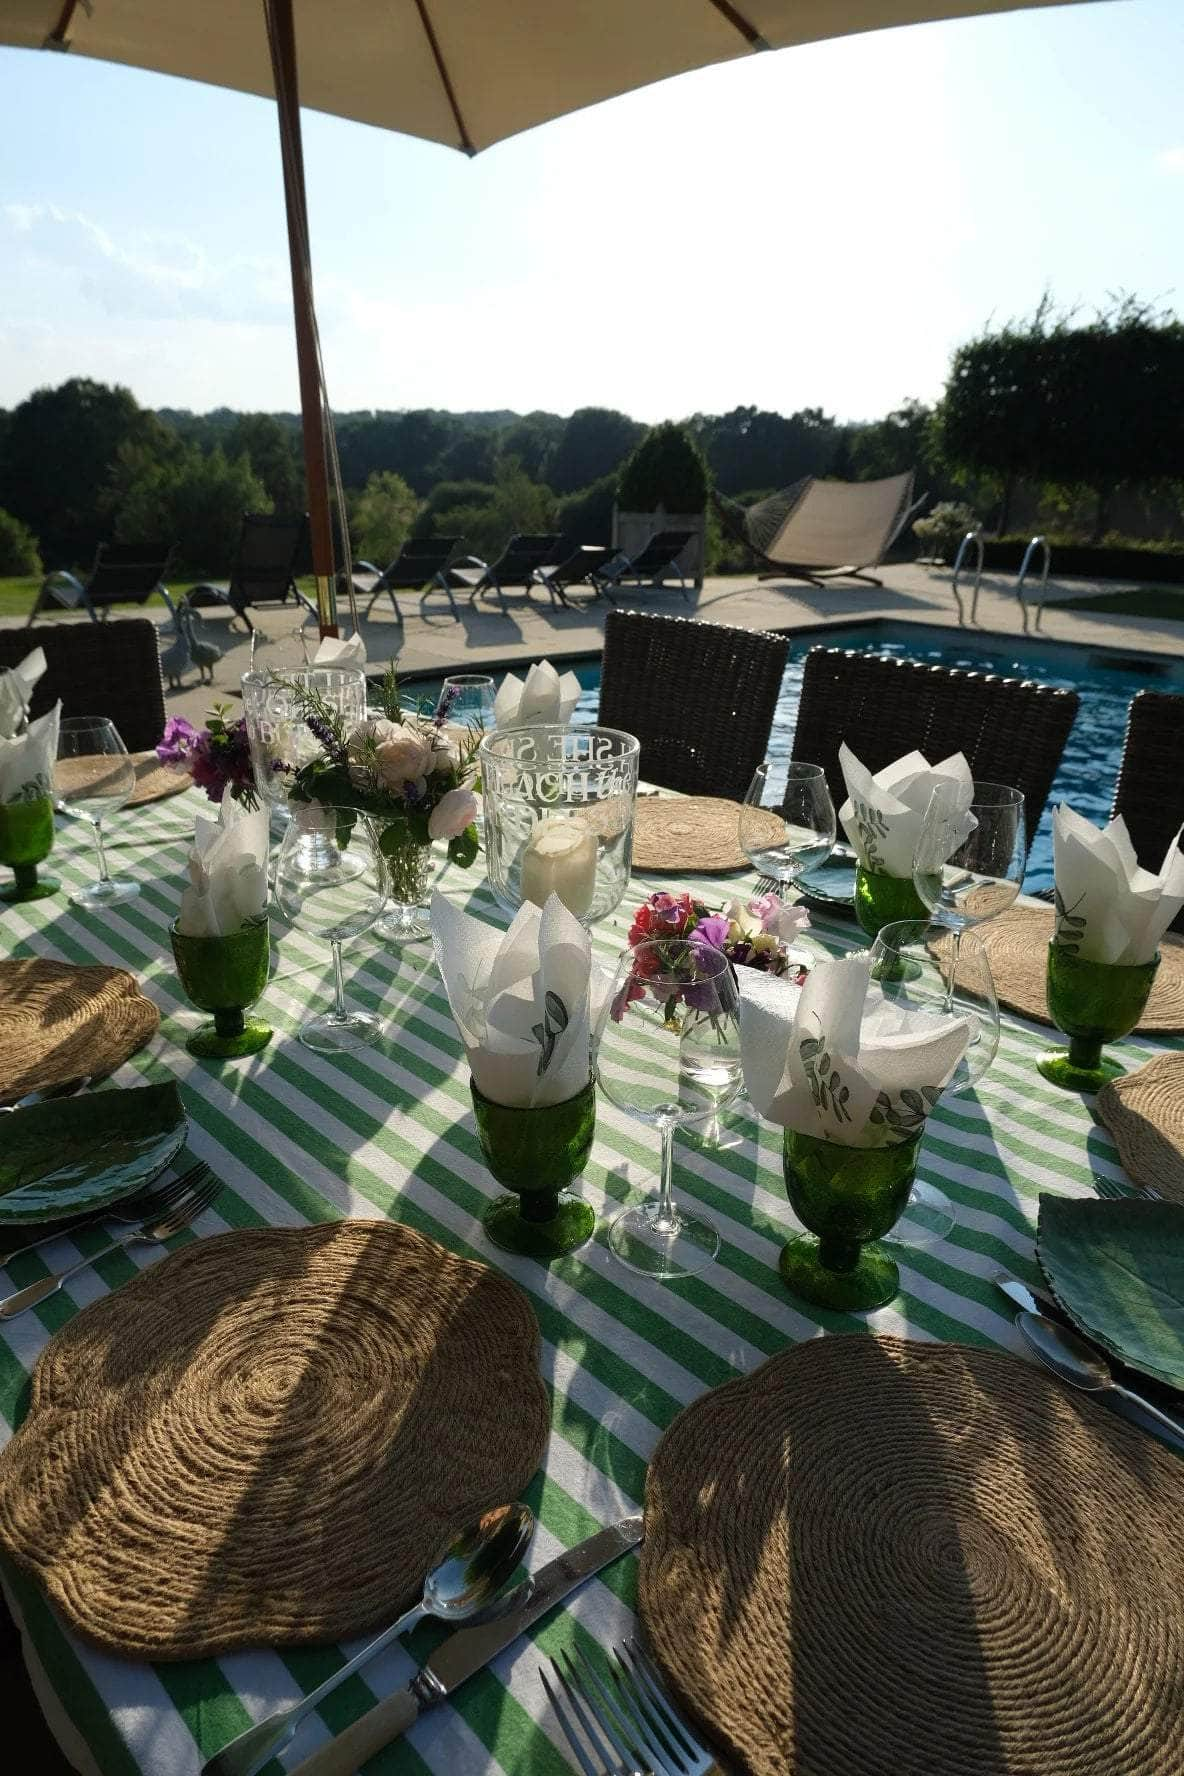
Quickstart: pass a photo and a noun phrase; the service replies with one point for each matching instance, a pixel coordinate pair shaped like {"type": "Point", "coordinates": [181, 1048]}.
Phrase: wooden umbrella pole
{"type": "Point", "coordinates": [281, 36]}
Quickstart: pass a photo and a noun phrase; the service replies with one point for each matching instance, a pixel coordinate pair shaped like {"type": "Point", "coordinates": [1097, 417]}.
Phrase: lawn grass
{"type": "Point", "coordinates": [18, 596]}
{"type": "Point", "coordinates": [1140, 601]}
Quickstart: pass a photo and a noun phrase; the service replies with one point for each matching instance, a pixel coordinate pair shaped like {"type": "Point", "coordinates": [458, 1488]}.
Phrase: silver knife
{"type": "Point", "coordinates": [1031, 1300]}
{"type": "Point", "coordinates": [466, 1651]}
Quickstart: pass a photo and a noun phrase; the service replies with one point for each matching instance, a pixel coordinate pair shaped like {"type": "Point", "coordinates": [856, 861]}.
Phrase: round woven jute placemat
{"type": "Point", "coordinates": [1144, 1111]}
{"type": "Point", "coordinates": [266, 1438]}
{"type": "Point", "coordinates": [1017, 945]}
{"type": "Point", "coordinates": [694, 833]}
{"type": "Point", "coordinates": [59, 1022]}
{"type": "Point", "coordinates": [872, 1557]}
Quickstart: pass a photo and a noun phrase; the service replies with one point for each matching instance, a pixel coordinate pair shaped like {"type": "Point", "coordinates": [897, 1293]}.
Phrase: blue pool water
{"type": "Point", "coordinates": [1106, 683]}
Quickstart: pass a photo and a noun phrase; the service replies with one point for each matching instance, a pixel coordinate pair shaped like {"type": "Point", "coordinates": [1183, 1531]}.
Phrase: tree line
{"type": "Point", "coordinates": [1050, 413]}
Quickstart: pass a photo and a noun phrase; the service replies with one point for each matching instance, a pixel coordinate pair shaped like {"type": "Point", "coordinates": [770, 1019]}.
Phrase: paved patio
{"type": "Point", "coordinates": [485, 640]}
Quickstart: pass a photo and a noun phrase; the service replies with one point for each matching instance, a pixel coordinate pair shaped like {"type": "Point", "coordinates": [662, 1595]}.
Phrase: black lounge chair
{"type": "Point", "coordinates": [517, 565]}
{"type": "Point", "coordinates": [656, 563]}
{"type": "Point", "coordinates": [420, 566]}
{"type": "Point", "coordinates": [582, 567]}
{"type": "Point", "coordinates": [110, 669]}
{"type": "Point", "coordinates": [121, 573]}
{"type": "Point", "coordinates": [264, 570]}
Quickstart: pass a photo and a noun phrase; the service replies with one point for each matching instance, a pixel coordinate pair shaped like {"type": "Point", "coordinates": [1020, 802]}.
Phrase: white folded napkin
{"type": "Point", "coordinates": [883, 814]}
{"type": "Point", "coordinates": [1108, 909]}
{"type": "Point", "coordinates": [26, 763]}
{"type": "Point", "coordinates": [543, 699]}
{"type": "Point", "coordinates": [227, 872]}
{"type": "Point", "coordinates": [525, 1000]}
{"type": "Point", "coordinates": [837, 1059]}
{"type": "Point", "coordinates": [333, 651]}
{"type": "Point", "coordinates": [16, 693]}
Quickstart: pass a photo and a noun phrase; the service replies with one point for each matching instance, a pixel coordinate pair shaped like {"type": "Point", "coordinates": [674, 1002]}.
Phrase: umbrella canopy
{"type": "Point", "coordinates": [466, 73]}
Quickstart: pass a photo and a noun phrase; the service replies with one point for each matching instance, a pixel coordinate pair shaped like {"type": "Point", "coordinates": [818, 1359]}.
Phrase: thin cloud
{"type": "Point", "coordinates": [1171, 160]}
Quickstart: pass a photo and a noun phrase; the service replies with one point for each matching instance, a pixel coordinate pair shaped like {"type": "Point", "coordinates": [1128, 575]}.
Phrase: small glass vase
{"type": "Point", "coordinates": [537, 1154]}
{"type": "Point", "coordinates": [26, 839]}
{"type": "Point", "coordinates": [225, 975]}
{"type": "Point", "coordinates": [1093, 1003]}
{"type": "Point", "coordinates": [883, 900]}
{"type": "Point", "coordinates": [407, 875]}
{"type": "Point", "coordinates": [848, 1196]}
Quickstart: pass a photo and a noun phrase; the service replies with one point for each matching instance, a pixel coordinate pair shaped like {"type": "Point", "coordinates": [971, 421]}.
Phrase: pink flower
{"type": "Point", "coordinates": [452, 814]}
{"type": "Point", "coordinates": [401, 759]}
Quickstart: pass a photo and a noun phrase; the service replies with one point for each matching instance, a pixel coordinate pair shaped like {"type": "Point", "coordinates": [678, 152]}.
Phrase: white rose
{"type": "Point", "coordinates": [452, 814]}
{"type": "Point", "coordinates": [373, 731]}
{"type": "Point", "coordinates": [402, 758]}
{"type": "Point", "coordinates": [446, 744]}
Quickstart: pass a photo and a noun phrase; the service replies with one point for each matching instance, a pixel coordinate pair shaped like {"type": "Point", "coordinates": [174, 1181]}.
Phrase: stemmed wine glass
{"type": "Point", "coordinates": [786, 836]}
{"type": "Point", "coordinates": [95, 775]}
{"type": "Point", "coordinates": [946, 972]}
{"type": "Point", "coordinates": [329, 882]}
{"type": "Point", "coordinates": [668, 1053]}
{"type": "Point", "coordinates": [466, 699]}
{"type": "Point", "coordinates": [965, 877]}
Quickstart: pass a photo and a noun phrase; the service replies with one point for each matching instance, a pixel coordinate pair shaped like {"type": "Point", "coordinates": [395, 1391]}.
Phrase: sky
{"type": "Point", "coordinates": [814, 227]}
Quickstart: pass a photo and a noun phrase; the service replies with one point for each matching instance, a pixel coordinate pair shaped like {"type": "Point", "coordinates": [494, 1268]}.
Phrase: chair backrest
{"type": "Point", "coordinates": [700, 697]}
{"type": "Point", "coordinates": [127, 573]}
{"type": "Point", "coordinates": [419, 560]}
{"type": "Point", "coordinates": [842, 523]}
{"type": "Point", "coordinates": [1010, 729]}
{"type": "Point", "coordinates": [110, 669]}
{"type": "Point", "coordinates": [1149, 793]}
{"type": "Point", "coordinates": [265, 561]}
{"type": "Point", "coordinates": [663, 547]}
{"type": "Point", "coordinates": [522, 554]}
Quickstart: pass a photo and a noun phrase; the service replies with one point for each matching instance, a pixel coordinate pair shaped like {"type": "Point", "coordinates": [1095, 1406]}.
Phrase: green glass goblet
{"type": "Point", "coordinates": [848, 1196]}
{"type": "Point", "coordinates": [26, 839]}
{"type": "Point", "coordinates": [537, 1154]}
{"type": "Point", "coordinates": [225, 975]}
{"type": "Point", "coordinates": [882, 900]}
{"type": "Point", "coordinates": [1093, 1003]}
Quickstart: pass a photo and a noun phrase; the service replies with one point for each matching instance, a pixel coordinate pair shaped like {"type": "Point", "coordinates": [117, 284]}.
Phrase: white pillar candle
{"type": "Point", "coordinates": [560, 858]}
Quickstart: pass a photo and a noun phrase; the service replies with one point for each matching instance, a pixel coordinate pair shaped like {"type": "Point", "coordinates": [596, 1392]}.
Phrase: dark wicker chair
{"type": "Point", "coordinates": [108, 669]}
{"type": "Point", "coordinates": [121, 573]}
{"type": "Point", "coordinates": [264, 570]}
{"type": "Point", "coordinates": [1149, 793]}
{"type": "Point", "coordinates": [698, 696]}
{"type": "Point", "coordinates": [1010, 729]}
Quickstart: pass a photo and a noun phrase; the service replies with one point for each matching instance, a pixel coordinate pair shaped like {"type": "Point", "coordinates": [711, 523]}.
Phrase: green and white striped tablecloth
{"type": "Point", "coordinates": [299, 1137]}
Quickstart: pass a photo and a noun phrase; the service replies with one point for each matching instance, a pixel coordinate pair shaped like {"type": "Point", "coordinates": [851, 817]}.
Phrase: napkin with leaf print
{"type": "Point", "coordinates": [16, 693]}
{"type": "Point", "coordinates": [1108, 909]}
{"type": "Point", "coordinates": [840, 1061]}
{"type": "Point", "coordinates": [884, 813]}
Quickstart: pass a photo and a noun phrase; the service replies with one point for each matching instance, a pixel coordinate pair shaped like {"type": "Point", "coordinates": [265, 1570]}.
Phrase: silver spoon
{"type": "Point", "coordinates": [1081, 1365]}
{"type": "Point", "coordinates": [467, 1575]}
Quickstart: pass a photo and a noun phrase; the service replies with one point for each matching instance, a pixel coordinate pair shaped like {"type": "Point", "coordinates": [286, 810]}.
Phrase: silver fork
{"type": "Point", "coordinates": [152, 1200]}
{"type": "Point", "coordinates": [1115, 1191]}
{"type": "Point", "coordinates": [637, 1721]}
{"type": "Point", "coordinates": [186, 1209]}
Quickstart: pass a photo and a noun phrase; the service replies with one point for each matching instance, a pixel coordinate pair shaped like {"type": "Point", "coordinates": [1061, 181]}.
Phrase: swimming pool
{"type": "Point", "coordinates": [1106, 683]}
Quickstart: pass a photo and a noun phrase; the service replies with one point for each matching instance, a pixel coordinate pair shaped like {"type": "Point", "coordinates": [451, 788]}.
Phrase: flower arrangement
{"type": "Point", "coordinates": [217, 756]}
{"type": "Point", "coordinates": [411, 772]}
{"type": "Point", "coordinates": [751, 934]}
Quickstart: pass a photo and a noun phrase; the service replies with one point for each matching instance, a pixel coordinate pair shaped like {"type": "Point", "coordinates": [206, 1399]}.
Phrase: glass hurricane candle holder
{"type": "Point", "coordinates": [280, 742]}
{"type": "Point", "coordinates": [559, 808]}
{"type": "Point", "coordinates": [883, 900]}
{"type": "Point", "coordinates": [848, 1197]}
{"type": "Point", "coordinates": [26, 839]}
{"type": "Point", "coordinates": [225, 975]}
{"type": "Point", "coordinates": [537, 1154]}
{"type": "Point", "coordinates": [1093, 1003]}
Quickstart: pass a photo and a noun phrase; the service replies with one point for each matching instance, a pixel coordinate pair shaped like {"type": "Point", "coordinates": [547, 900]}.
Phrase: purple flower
{"type": "Point", "coordinates": [328, 739]}
{"type": "Point", "coordinates": [703, 995]}
{"type": "Point", "coordinates": [178, 737]}
{"type": "Point", "coordinates": [712, 932]}
{"type": "Point", "coordinates": [448, 697]}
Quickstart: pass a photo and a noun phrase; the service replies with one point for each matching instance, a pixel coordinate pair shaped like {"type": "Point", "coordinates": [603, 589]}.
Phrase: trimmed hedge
{"type": "Point", "coordinates": [1090, 561]}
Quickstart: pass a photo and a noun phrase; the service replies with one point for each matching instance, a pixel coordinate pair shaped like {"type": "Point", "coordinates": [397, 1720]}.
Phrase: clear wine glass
{"type": "Point", "coordinates": [947, 973]}
{"type": "Point", "coordinates": [93, 777]}
{"type": "Point", "coordinates": [668, 1053]}
{"type": "Point", "coordinates": [328, 882]}
{"type": "Point", "coordinates": [965, 877]}
{"type": "Point", "coordinates": [466, 700]}
{"type": "Point", "coordinates": [787, 834]}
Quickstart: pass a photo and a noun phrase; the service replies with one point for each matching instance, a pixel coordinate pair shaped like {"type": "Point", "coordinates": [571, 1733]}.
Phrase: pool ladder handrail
{"type": "Point", "coordinates": [973, 538]}
{"type": "Point", "coordinates": [1041, 543]}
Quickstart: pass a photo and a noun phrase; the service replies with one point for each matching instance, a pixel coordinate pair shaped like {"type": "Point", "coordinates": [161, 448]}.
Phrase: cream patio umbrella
{"type": "Point", "coordinates": [466, 73]}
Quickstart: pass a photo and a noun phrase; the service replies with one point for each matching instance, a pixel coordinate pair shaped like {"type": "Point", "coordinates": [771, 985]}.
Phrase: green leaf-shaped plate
{"type": "Point", "coordinates": [69, 1156]}
{"type": "Point", "coordinates": [1117, 1269]}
